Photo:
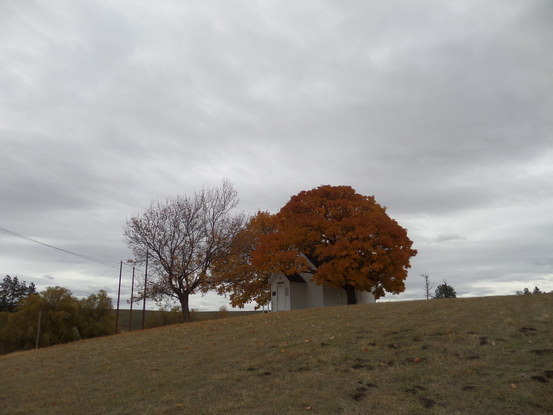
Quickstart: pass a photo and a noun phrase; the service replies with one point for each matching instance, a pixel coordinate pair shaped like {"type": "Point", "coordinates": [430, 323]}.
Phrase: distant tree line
{"type": "Point", "coordinates": [526, 291]}
{"type": "Point", "coordinates": [443, 290]}
{"type": "Point", "coordinates": [447, 291]}
{"type": "Point", "coordinates": [29, 319]}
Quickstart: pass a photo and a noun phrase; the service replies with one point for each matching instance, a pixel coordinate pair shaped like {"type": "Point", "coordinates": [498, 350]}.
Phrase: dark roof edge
{"type": "Point", "coordinates": [296, 278]}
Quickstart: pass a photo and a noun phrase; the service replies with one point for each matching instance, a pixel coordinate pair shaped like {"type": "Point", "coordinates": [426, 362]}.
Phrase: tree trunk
{"type": "Point", "coordinates": [350, 291]}
{"type": "Point", "coordinates": [184, 306]}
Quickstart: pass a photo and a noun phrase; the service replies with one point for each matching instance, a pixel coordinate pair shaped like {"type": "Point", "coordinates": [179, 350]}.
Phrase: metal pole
{"type": "Point", "coordinates": [132, 298]}
{"type": "Point", "coordinates": [118, 297]}
{"type": "Point", "coordinates": [144, 294]}
{"type": "Point", "coordinates": [38, 329]}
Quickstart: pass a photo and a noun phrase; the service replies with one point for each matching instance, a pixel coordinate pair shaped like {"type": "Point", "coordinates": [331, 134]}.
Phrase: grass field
{"type": "Point", "coordinates": [490, 355]}
{"type": "Point", "coordinates": [155, 318]}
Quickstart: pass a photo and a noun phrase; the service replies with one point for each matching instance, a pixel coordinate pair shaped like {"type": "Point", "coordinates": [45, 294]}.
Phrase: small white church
{"type": "Point", "coordinates": [297, 291]}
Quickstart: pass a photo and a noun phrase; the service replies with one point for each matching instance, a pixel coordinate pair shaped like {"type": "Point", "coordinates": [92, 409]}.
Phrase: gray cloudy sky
{"type": "Point", "coordinates": [441, 110]}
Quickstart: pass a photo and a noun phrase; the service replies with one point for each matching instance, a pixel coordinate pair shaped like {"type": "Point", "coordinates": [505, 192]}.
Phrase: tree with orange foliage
{"type": "Point", "coordinates": [342, 238]}
{"type": "Point", "coordinates": [235, 275]}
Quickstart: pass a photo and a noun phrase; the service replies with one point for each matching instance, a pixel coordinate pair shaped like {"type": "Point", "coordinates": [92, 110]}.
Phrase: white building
{"type": "Point", "coordinates": [300, 291]}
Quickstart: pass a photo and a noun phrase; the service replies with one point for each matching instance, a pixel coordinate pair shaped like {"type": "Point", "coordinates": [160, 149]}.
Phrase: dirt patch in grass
{"type": "Point", "coordinates": [542, 352]}
{"type": "Point", "coordinates": [528, 331]}
{"type": "Point", "coordinates": [540, 379]}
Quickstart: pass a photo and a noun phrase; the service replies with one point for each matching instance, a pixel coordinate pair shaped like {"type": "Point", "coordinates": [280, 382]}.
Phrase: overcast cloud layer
{"type": "Point", "coordinates": [441, 110]}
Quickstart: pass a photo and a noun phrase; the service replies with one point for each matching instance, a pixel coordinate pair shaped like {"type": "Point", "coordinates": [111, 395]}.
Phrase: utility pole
{"type": "Point", "coordinates": [118, 297]}
{"type": "Point", "coordinates": [144, 293]}
{"type": "Point", "coordinates": [132, 295]}
{"type": "Point", "coordinates": [38, 329]}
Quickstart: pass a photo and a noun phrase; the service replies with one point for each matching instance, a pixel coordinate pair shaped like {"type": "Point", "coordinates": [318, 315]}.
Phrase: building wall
{"type": "Point", "coordinates": [313, 293]}
{"type": "Point", "coordinates": [365, 297]}
{"type": "Point", "coordinates": [297, 295]}
{"type": "Point", "coordinates": [334, 296]}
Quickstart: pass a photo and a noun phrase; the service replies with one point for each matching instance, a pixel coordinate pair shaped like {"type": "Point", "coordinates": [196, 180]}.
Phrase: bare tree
{"type": "Point", "coordinates": [427, 286]}
{"type": "Point", "coordinates": [183, 236]}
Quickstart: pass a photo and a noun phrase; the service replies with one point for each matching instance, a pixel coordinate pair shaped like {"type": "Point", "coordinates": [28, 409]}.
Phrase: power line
{"type": "Point", "coordinates": [82, 256]}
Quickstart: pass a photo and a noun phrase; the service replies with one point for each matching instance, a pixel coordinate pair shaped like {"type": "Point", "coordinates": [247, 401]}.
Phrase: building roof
{"type": "Point", "coordinates": [314, 260]}
{"type": "Point", "coordinates": [295, 278]}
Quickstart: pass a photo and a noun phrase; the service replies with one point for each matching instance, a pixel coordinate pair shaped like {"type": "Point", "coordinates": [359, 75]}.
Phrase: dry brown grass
{"type": "Point", "coordinates": [460, 356]}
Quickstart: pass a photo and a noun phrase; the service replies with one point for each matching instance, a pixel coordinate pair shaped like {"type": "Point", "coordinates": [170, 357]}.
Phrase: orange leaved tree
{"type": "Point", "coordinates": [350, 241]}
{"type": "Point", "coordinates": [235, 275]}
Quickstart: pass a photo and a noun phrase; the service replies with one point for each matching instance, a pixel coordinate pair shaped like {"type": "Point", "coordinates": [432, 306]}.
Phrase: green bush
{"type": "Point", "coordinates": [63, 318]}
{"type": "Point", "coordinates": [445, 291]}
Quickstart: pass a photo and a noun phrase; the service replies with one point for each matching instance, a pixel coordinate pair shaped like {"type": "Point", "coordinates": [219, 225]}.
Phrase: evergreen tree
{"type": "Point", "coordinates": [12, 291]}
{"type": "Point", "coordinates": [445, 291]}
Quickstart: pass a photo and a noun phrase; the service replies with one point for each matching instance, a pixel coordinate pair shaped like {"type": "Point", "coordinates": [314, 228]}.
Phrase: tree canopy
{"type": "Point", "coordinates": [63, 318]}
{"type": "Point", "coordinates": [526, 291]}
{"type": "Point", "coordinates": [12, 291]}
{"type": "Point", "coordinates": [183, 237]}
{"type": "Point", "coordinates": [342, 238]}
{"type": "Point", "coordinates": [445, 291]}
{"type": "Point", "coordinates": [234, 273]}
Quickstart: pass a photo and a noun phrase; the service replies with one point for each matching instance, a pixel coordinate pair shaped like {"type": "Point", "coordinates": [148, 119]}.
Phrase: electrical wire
{"type": "Point", "coordinates": [97, 260]}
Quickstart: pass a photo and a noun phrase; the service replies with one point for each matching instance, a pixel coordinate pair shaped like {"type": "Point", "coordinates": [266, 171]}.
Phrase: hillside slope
{"type": "Point", "coordinates": [458, 356]}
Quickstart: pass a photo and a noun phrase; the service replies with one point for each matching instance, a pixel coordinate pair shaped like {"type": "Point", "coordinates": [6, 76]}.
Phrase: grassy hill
{"type": "Point", "coordinates": [156, 318]}
{"type": "Point", "coordinates": [489, 355]}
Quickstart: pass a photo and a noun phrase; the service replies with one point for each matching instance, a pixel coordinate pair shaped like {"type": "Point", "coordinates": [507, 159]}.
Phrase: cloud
{"type": "Point", "coordinates": [448, 237]}
{"type": "Point", "coordinates": [440, 110]}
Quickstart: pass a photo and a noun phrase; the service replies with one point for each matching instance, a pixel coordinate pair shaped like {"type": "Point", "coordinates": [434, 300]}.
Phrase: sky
{"type": "Point", "coordinates": [441, 110]}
